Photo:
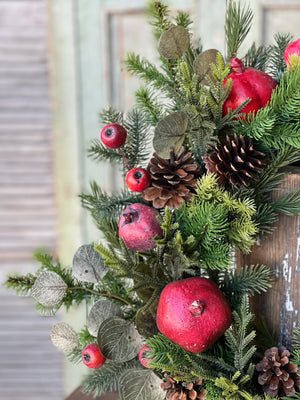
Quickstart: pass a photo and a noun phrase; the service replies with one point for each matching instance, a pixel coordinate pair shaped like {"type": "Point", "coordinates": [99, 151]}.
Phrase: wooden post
{"type": "Point", "coordinates": [280, 251]}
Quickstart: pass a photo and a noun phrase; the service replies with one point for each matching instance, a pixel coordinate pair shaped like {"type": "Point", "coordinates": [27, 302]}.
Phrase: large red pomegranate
{"type": "Point", "coordinates": [193, 313]}
{"type": "Point", "coordinates": [248, 83]}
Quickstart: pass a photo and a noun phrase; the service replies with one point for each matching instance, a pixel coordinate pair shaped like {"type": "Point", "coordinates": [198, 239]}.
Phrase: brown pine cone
{"type": "Point", "coordinates": [173, 180]}
{"type": "Point", "coordinates": [235, 162]}
{"type": "Point", "coordinates": [177, 391]}
{"type": "Point", "coordinates": [278, 377]}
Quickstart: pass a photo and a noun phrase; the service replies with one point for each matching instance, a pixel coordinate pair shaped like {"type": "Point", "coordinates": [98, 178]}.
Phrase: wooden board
{"type": "Point", "coordinates": [280, 251]}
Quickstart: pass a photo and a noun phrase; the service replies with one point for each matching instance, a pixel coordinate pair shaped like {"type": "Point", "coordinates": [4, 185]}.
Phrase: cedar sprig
{"type": "Point", "coordinates": [238, 22]}
{"type": "Point", "coordinates": [240, 338]}
{"type": "Point", "coordinates": [233, 388]}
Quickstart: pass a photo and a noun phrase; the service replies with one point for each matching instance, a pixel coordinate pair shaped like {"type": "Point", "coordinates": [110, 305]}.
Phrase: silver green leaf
{"type": "Point", "coordinates": [118, 339]}
{"type": "Point", "coordinates": [140, 384]}
{"type": "Point", "coordinates": [64, 337]}
{"type": "Point", "coordinates": [170, 133]}
{"type": "Point", "coordinates": [174, 42]}
{"type": "Point", "coordinates": [49, 289]}
{"type": "Point", "coordinates": [88, 265]}
{"type": "Point", "coordinates": [100, 311]}
{"type": "Point", "coordinates": [202, 64]}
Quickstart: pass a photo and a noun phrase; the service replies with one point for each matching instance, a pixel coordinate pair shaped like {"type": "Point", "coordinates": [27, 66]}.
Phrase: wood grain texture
{"type": "Point", "coordinates": [280, 251]}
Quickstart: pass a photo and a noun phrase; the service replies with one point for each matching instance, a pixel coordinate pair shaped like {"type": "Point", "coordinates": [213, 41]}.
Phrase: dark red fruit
{"type": "Point", "coordinates": [138, 179]}
{"type": "Point", "coordinates": [113, 136]}
{"type": "Point", "coordinates": [92, 356]}
{"type": "Point", "coordinates": [138, 226]}
{"type": "Point", "coordinates": [292, 53]}
{"type": "Point", "coordinates": [248, 83]}
{"type": "Point", "coordinates": [144, 360]}
{"type": "Point", "coordinates": [193, 313]}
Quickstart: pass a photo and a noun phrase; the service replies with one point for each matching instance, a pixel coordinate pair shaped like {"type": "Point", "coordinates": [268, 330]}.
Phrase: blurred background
{"type": "Point", "coordinates": [60, 64]}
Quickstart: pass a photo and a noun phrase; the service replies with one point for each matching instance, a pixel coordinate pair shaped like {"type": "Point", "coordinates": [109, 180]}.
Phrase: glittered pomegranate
{"type": "Point", "coordinates": [248, 83]}
{"type": "Point", "coordinates": [138, 226]}
{"type": "Point", "coordinates": [193, 313]}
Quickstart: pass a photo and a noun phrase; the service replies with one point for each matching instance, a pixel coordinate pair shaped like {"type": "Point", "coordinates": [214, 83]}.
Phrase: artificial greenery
{"type": "Point", "coordinates": [184, 97]}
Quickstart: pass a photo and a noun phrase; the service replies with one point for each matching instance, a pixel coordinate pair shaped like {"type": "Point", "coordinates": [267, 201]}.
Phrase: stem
{"type": "Point", "coordinates": [125, 159]}
{"type": "Point", "coordinates": [108, 295]}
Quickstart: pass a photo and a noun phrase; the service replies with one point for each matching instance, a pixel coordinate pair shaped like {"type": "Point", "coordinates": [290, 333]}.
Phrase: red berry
{"type": "Point", "coordinates": [113, 136]}
{"type": "Point", "coordinates": [92, 356]}
{"type": "Point", "coordinates": [138, 179]}
{"type": "Point", "coordinates": [193, 313]}
{"type": "Point", "coordinates": [248, 83]}
{"type": "Point", "coordinates": [292, 50]}
{"type": "Point", "coordinates": [144, 360]}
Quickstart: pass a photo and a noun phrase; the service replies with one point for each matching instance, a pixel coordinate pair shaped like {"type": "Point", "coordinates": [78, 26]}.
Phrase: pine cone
{"type": "Point", "coordinates": [173, 180]}
{"type": "Point", "coordinates": [235, 162]}
{"type": "Point", "coordinates": [278, 376]}
{"type": "Point", "coordinates": [177, 391]}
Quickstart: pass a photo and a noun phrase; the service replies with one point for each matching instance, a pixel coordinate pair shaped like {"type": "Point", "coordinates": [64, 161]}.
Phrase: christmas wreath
{"type": "Point", "coordinates": [169, 312]}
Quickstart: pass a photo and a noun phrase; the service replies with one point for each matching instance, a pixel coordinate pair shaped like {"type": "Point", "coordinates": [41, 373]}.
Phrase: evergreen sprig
{"type": "Point", "coordinates": [277, 66]}
{"type": "Point", "coordinates": [238, 22]}
{"type": "Point", "coordinates": [106, 378]}
{"type": "Point", "coordinates": [239, 339]}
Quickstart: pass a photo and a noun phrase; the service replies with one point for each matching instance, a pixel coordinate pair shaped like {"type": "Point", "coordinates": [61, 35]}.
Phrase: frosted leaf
{"type": "Point", "coordinates": [170, 132]}
{"type": "Point", "coordinates": [49, 289]}
{"type": "Point", "coordinates": [174, 42]}
{"type": "Point", "coordinates": [64, 337]}
{"type": "Point", "coordinates": [140, 384]}
{"type": "Point", "coordinates": [119, 340]}
{"type": "Point", "coordinates": [100, 311]}
{"type": "Point", "coordinates": [88, 265]}
{"type": "Point", "coordinates": [202, 64]}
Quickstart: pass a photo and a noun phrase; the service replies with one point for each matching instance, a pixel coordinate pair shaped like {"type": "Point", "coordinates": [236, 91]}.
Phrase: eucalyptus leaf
{"type": "Point", "coordinates": [49, 288]}
{"type": "Point", "coordinates": [170, 133]}
{"type": "Point", "coordinates": [118, 339]}
{"type": "Point", "coordinates": [88, 265]}
{"type": "Point", "coordinates": [64, 337]}
{"type": "Point", "coordinates": [202, 64]}
{"type": "Point", "coordinates": [100, 311]}
{"type": "Point", "coordinates": [146, 323]}
{"type": "Point", "coordinates": [174, 42]}
{"type": "Point", "coordinates": [140, 384]}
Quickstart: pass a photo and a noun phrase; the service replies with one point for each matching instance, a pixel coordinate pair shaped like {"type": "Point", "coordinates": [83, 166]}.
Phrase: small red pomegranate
{"type": "Point", "coordinates": [248, 83]}
{"type": "Point", "coordinates": [143, 356]}
{"type": "Point", "coordinates": [138, 225]}
{"type": "Point", "coordinates": [113, 136]}
{"type": "Point", "coordinates": [138, 179]}
{"type": "Point", "coordinates": [193, 313]}
{"type": "Point", "coordinates": [92, 356]}
{"type": "Point", "coordinates": [292, 53]}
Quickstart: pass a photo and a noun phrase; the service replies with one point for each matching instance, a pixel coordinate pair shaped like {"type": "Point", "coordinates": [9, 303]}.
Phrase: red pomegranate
{"type": "Point", "coordinates": [193, 313]}
{"type": "Point", "coordinates": [292, 53]}
{"type": "Point", "coordinates": [248, 83]}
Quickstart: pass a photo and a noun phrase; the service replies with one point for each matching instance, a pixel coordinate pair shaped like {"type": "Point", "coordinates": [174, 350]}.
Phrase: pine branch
{"type": "Point", "coordinates": [98, 152]}
{"type": "Point", "coordinates": [288, 204]}
{"type": "Point", "coordinates": [111, 116]}
{"type": "Point", "coordinates": [159, 18]}
{"type": "Point", "coordinates": [237, 26]}
{"type": "Point", "coordinates": [20, 284]}
{"type": "Point", "coordinates": [106, 378]}
{"type": "Point", "coordinates": [277, 65]}
{"type": "Point", "coordinates": [147, 72]}
{"type": "Point", "coordinates": [249, 280]}
{"type": "Point", "coordinates": [257, 57]}
{"type": "Point", "coordinates": [153, 109]}
{"type": "Point", "coordinates": [106, 207]}
{"type": "Point", "coordinates": [136, 147]}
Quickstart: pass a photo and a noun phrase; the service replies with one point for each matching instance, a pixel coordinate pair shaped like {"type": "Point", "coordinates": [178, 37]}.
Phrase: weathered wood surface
{"type": "Point", "coordinates": [30, 366]}
{"type": "Point", "coordinates": [280, 251]}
